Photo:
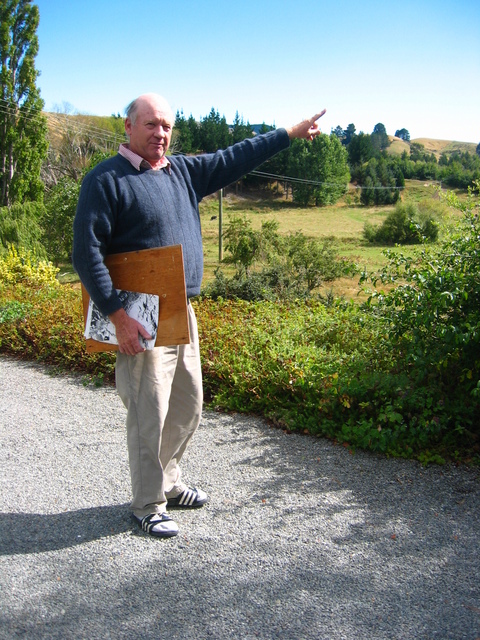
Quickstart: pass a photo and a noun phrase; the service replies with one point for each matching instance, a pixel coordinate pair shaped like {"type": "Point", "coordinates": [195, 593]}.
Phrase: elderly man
{"type": "Point", "coordinates": [142, 199]}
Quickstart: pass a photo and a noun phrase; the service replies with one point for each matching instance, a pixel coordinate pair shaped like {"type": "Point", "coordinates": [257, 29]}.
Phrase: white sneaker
{"type": "Point", "coordinates": [188, 499]}
{"type": "Point", "coordinates": [158, 524]}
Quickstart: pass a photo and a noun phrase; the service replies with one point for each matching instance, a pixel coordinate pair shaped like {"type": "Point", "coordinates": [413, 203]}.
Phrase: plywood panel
{"type": "Point", "coordinates": [159, 271]}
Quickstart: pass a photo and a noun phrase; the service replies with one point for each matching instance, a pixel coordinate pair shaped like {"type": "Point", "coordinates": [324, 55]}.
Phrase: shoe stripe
{"type": "Point", "coordinates": [188, 497]}
{"type": "Point", "coordinates": [148, 523]}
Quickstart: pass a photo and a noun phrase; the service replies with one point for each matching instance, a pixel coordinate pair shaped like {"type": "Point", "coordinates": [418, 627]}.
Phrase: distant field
{"type": "Point", "coordinates": [344, 222]}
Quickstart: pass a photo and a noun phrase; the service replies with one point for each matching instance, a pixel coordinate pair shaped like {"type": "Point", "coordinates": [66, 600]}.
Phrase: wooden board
{"type": "Point", "coordinates": [159, 271]}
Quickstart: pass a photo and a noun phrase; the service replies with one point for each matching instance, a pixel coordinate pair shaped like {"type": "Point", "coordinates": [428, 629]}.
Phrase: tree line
{"type": "Point", "coordinates": [381, 175]}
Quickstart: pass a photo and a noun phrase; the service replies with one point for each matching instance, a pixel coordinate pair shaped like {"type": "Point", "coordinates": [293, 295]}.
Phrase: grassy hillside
{"type": "Point", "coordinates": [437, 147]}
{"type": "Point", "coordinates": [446, 146]}
{"type": "Point", "coordinates": [397, 146]}
{"type": "Point", "coordinates": [105, 130]}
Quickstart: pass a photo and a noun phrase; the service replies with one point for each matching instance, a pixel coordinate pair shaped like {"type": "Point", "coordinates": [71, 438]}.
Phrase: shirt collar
{"type": "Point", "coordinates": [137, 161]}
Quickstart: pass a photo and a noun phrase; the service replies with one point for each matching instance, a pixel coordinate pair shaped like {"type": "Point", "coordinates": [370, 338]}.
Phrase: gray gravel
{"type": "Point", "coordinates": [301, 539]}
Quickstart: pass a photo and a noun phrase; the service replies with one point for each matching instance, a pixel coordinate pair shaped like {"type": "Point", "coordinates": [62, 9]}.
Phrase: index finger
{"type": "Point", "coordinates": [319, 115]}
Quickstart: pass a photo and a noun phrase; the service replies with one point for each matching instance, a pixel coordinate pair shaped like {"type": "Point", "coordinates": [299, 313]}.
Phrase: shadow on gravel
{"type": "Point", "coordinates": [24, 533]}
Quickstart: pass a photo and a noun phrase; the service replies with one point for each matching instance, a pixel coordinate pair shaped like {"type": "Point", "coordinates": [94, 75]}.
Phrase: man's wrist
{"type": "Point", "coordinates": [118, 317]}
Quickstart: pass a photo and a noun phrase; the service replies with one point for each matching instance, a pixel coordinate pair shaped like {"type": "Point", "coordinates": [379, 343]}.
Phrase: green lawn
{"type": "Point", "coordinates": [343, 221]}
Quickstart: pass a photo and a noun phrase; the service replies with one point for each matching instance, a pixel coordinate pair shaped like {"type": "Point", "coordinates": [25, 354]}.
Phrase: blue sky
{"type": "Point", "coordinates": [413, 64]}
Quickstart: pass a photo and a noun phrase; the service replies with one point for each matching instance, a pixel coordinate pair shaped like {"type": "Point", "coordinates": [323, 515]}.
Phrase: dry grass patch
{"type": "Point", "coordinates": [438, 147]}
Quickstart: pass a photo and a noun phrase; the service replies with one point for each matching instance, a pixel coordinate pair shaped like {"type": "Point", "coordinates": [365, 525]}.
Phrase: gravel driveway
{"type": "Point", "coordinates": [301, 539]}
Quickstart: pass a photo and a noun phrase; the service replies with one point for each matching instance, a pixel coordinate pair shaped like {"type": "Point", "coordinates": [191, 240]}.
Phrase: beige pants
{"type": "Point", "coordinates": [162, 391]}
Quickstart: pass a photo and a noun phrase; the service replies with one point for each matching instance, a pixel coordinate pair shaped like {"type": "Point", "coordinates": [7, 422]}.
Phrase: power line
{"type": "Point", "coordinates": [66, 123]}
{"type": "Point", "coordinates": [312, 182]}
{"type": "Point", "coordinates": [94, 131]}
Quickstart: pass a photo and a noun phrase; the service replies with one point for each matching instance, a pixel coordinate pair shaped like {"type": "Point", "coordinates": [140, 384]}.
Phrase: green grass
{"type": "Point", "coordinates": [344, 222]}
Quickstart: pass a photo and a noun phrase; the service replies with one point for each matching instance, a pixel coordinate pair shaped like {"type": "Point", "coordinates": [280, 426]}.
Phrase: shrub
{"type": "Point", "coordinates": [46, 324]}
{"type": "Point", "coordinates": [433, 321]}
{"type": "Point", "coordinates": [404, 225]}
{"type": "Point", "coordinates": [291, 266]}
{"type": "Point", "coordinates": [58, 218]}
{"type": "Point", "coordinates": [22, 266]}
{"type": "Point", "coordinates": [20, 227]}
{"type": "Point", "coordinates": [41, 319]}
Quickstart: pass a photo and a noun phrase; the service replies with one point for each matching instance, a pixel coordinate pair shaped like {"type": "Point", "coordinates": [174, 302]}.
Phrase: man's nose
{"type": "Point", "coordinates": [160, 131]}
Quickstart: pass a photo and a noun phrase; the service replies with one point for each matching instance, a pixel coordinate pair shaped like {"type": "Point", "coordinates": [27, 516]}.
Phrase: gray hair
{"type": "Point", "coordinates": [131, 110]}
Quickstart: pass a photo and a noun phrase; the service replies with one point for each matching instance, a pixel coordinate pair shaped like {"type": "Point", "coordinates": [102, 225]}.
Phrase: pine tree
{"type": "Point", "coordinates": [23, 127]}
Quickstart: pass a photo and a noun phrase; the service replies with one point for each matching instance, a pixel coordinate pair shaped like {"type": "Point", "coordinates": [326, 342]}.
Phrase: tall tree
{"type": "Point", "coordinates": [183, 137]}
{"type": "Point", "coordinates": [360, 149]}
{"type": "Point", "coordinates": [321, 169]}
{"type": "Point", "coordinates": [240, 129]}
{"type": "Point", "coordinates": [214, 132]}
{"type": "Point", "coordinates": [348, 134]}
{"type": "Point", "coordinates": [339, 132]}
{"type": "Point", "coordinates": [23, 128]}
{"type": "Point", "coordinates": [194, 128]}
{"type": "Point", "coordinates": [379, 137]}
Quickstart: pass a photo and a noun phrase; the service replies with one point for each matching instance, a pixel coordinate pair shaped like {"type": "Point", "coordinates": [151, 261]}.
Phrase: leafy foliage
{"type": "Point", "coordinates": [327, 371]}
{"type": "Point", "coordinates": [24, 267]}
{"type": "Point", "coordinates": [41, 319]}
{"type": "Point", "coordinates": [23, 128]}
{"type": "Point", "coordinates": [273, 267]}
{"type": "Point", "coordinates": [57, 221]}
{"type": "Point", "coordinates": [404, 225]}
{"type": "Point", "coordinates": [431, 314]}
{"type": "Point", "coordinates": [21, 227]}
{"type": "Point", "coordinates": [321, 169]}
{"type": "Point", "coordinates": [60, 207]}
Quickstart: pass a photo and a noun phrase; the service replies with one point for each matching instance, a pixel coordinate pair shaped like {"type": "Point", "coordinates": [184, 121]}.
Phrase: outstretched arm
{"type": "Point", "coordinates": [307, 129]}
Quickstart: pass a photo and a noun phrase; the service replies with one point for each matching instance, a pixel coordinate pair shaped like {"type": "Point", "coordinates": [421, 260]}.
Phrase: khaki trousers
{"type": "Point", "coordinates": [162, 392]}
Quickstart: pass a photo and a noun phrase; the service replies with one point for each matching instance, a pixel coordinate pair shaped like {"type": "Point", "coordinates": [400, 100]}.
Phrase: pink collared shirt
{"type": "Point", "coordinates": [137, 161]}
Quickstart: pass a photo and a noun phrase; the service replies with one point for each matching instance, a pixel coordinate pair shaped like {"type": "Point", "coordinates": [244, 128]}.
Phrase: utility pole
{"type": "Point", "coordinates": [220, 225]}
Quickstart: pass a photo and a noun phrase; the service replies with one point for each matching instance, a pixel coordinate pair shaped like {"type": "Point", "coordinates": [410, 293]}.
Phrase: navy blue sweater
{"type": "Point", "coordinates": [122, 209]}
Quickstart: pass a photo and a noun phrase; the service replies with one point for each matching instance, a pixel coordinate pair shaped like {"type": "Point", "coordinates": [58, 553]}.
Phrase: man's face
{"type": "Point", "coordinates": [151, 132]}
